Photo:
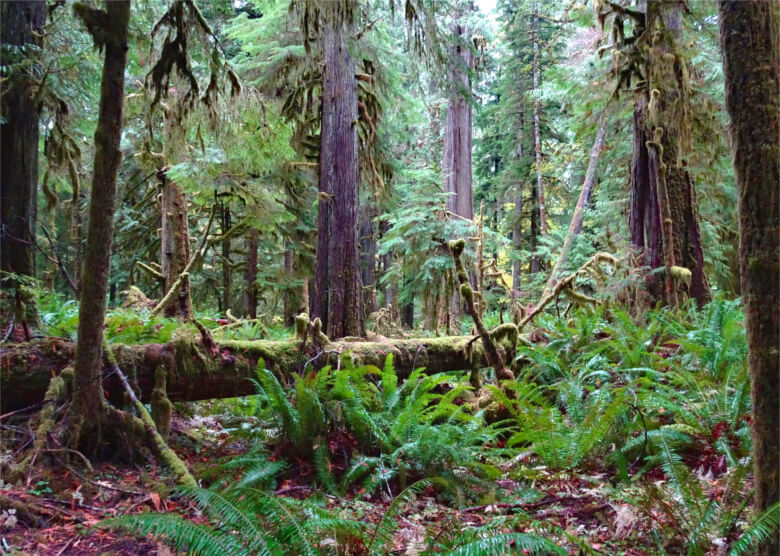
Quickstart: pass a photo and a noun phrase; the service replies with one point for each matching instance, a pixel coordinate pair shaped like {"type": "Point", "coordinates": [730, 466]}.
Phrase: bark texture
{"type": "Point", "coordinates": [664, 216]}
{"type": "Point", "coordinates": [750, 41]}
{"type": "Point", "coordinates": [21, 22]}
{"type": "Point", "coordinates": [196, 372]}
{"type": "Point", "coordinates": [109, 29]}
{"type": "Point", "coordinates": [338, 294]}
{"type": "Point", "coordinates": [175, 246]}
{"type": "Point", "coordinates": [456, 162]}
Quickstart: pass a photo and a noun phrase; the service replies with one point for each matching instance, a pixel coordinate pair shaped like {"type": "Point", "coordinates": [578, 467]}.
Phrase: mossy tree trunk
{"type": "Point", "coordinates": [21, 24]}
{"type": "Point", "coordinates": [338, 295]}
{"type": "Point", "coordinates": [109, 29]}
{"type": "Point", "coordinates": [175, 246]}
{"type": "Point", "coordinates": [195, 372]}
{"type": "Point", "coordinates": [664, 215]}
{"type": "Point", "coordinates": [750, 41]}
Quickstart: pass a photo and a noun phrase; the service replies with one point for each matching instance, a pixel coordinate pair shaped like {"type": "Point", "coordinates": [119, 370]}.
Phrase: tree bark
{"type": "Point", "coordinates": [21, 23]}
{"type": "Point", "coordinates": [664, 215]}
{"type": "Point", "coordinates": [575, 226]}
{"type": "Point", "coordinates": [538, 126]}
{"type": "Point", "coordinates": [338, 294]}
{"type": "Point", "coordinates": [175, 246]}
{"type": "Point", "coordinates": [249, 297]}
{"type": "Point", "coordinates": [110, 28]}
{"type": "Point", "coordinates": [750, 41]}
{"type": "Point", "coordinates": [456, 162]}
{"type": "Point", "coordinates": [194, 373]}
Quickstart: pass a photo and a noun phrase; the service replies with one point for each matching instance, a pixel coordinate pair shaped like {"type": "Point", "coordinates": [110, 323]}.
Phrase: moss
{"type": "Point", "coordinates": [162, 408]}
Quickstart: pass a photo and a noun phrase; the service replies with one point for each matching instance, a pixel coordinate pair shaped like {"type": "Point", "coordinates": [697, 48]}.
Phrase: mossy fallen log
{"type": "Point", "coordinates": [197, 372]}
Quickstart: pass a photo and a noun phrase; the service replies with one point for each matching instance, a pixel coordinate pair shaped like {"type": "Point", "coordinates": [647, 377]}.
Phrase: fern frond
{"type": "Point", "coordinates": [179, 533]}
{"type": "Point", "coordinates": [764, 529]}
{"type": "Point", "coordinates": [508, 543]}
{"type": "Point", "coordinates": [383, 532]}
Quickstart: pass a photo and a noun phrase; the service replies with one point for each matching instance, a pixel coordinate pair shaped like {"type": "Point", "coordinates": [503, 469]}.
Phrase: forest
{"type": "Point", "coordinates": [365, 277]}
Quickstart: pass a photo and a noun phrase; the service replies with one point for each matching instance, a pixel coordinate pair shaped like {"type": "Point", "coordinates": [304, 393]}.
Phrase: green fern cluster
{"type": "Point", "coordinates": [401, 431]}
{"type": "Point", "coordinates": [698, 523]}
{"type": "Point", "coordinates": [243, 521]}
{"type": "Point", "coordinates": [608, 384]}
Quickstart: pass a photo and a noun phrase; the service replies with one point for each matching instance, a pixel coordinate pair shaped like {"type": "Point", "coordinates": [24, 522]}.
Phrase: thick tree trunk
{"type": "Point", "coordinates": [249, 297]}
{"type": "Point", "coordinates": [664, 216]}
{"type": "Point", "coordinates": [175, 246]}
{"type": "Point", "coordinates": [750, 41]}
{"type": "Point", "coordinates": [538, 126]}
{"type": "Point", "coordinates": [21, 22]}
{"type": "Point", "coordinates": [456, 162]}
{"type": "Point", "coordinates": [227, 371]}
{"type": "Point", "coordinates": [575, 226]}
{"type": "Point", "coordinates": [88, 401]}
{"type": "Point", "coordinates": [338, 292]}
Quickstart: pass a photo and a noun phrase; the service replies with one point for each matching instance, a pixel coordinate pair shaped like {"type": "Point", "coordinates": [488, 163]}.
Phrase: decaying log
{"type": "Point", "coordinates": [193, 374]}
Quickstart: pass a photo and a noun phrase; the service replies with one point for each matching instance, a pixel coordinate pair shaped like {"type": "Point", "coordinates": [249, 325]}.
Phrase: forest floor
{"type": "Point", "coordinates": [69, 503]}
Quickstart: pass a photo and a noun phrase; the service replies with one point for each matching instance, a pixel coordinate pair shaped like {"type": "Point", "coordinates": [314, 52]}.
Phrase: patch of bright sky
{"type": "Point", "coordinates": [487, 7]}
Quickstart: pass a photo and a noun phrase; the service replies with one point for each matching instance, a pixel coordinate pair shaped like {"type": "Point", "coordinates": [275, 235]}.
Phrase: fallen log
{"type": "Point", "coordinates": [198, 372]}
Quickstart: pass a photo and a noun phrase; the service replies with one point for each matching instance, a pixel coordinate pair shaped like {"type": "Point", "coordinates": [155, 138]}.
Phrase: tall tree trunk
{"type": "Point", "coordinates": [750, 41]}
{"type": "Point", "coordinates": [338, 292]}
{"type": "Point", "coordinates": [249, 297]}
{"type": "Point", "coordinates": [456, 163]}
{"type": "Point", "coordinates": [533, 242]}
{"type": "Point", "coordinates": [110, 28]}
{"type": "Point", "coordinates": [537, 126]}
{"type": "Point", "coordinates": [76, 227]}
{"type": "Point", "coordinates": [21, 23]}
{"type": "Point", "coordinates": [575, 226]}
{"type": "Point", "coordinates": [227, 269]}
{"type": "Point", "coordinates": [664, 215]}
{"type": "Point", "coordinates": [175, 246]}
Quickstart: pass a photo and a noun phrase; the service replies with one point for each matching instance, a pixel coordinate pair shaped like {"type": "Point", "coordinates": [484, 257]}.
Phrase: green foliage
{"type": "Point", "coordinates": [638, 384]}
{"type": "Point", "coordinates": [401, 431]}
{"type": "Point", "coordinates": [60, 318]}
{"type": "Point", "coordinates": [697, 523]}
{"type": "Point", "coordinates": [241, 521]}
